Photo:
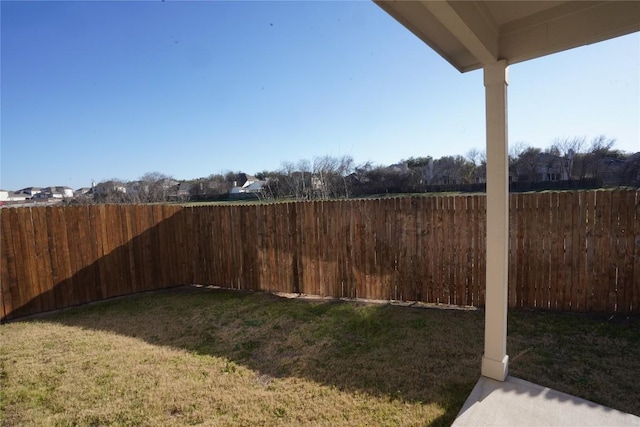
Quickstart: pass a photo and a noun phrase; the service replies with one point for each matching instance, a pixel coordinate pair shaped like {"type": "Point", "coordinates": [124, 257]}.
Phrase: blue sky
{"type": "Point", "coordinates": [100, 90]}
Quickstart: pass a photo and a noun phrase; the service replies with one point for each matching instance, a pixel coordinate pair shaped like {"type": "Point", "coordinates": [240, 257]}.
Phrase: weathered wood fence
{"type": "Point", "coordinates": [573, 251]}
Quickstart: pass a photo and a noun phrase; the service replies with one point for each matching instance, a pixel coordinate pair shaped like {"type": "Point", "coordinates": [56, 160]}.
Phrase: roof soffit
{"type": "Point", "coordinates": [469, 34]}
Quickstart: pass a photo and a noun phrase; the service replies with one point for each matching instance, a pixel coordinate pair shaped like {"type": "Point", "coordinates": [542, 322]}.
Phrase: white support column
{"type": "Point", "coordinates": [495, 360]}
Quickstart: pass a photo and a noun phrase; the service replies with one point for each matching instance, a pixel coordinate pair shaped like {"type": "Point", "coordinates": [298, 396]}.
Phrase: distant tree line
{"type": "Point", "coordinates": [566, 163]}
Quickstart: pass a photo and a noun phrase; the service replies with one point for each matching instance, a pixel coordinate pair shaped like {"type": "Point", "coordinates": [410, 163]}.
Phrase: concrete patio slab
{"type": "Point", "coordinates": [516, 402]}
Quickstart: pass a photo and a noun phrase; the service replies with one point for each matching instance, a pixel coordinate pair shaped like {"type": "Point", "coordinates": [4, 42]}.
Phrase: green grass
{"type": "Point", "coordinates": [191, 356]}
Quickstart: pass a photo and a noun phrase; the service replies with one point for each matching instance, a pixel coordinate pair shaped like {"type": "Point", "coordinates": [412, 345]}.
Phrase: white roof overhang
{"type": "Point", "coordinates": [470, 34]}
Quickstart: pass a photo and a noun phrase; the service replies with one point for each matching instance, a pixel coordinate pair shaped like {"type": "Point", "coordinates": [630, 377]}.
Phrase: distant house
{"type": "Point", "coordinates": [29, 191]}
{"type": "Point", "coordinates": [59, 192]}
{"type": "Point", "coordinates": [10, 196]}
{"type": "Point", "coordinates": [554, 168]}
{"type": "Point", "coordinates": [82, 191]}
{"type": "Point", "coordinates": [249, 187]}
{"type": "Point", "coordinates": [544, 167]}
{"type": "Point", "coordinates": [479, 174]}
{"type": "Point", "coordinates": [109, 187]}
{"type": "Point", "coordinates": [184, 189]}
{"type": "Point", "coordinates": [612, 171]}
{"type": "Point", "coordinates": [181, 191]}
{"type": "Point", "coordinates": [242, 179]}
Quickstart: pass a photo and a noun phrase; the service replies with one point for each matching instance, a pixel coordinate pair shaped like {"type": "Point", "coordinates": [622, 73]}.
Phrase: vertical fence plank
{"type": "Point", "coordinates": [430, 249]}
{"type": "Point", "coordinates": [544, 209]}
{"type": "Point", "coordinates": [617, 251]}
{"type": "Point", "coordinates": [210, 241]}
{"type": "Point", "coordinates": [10, 291]}
{"type": "Point", "coordinates": [594, 239]}
{"type": "Point", "coordinates": [43, 254]}
{"type": "Point", "coordinates": [513, 252]}
{"type": "Point", "coordinates": [23, 289]}
{"type": "Point", "coordinates": [103, 251]}
{"type": "Point", "coordinates": [32, 275]}
{"type": "Point", "coordinates": [356, 252]}
{"type": "Point", "coordinates": [280, 245]}
{"type": "Point", "coordinates": [582, 233]}
{"type": "Point", "coordinates": [590, 238]}
{"type": "Point", "coordinates": [528, 279]}
{"type": "Point", "coordinates": [557, 252]}
{"type": "Point", "coordinates": [538, 270]}
{"type": "Point", "coordinates": [635, 295]}
{"type": "Point", "coordinates": [160, 247]}
{"type": "Point", "coordinates": [146, 229]}
{"type": "Point", "coordinates": [96, 251]}
{"type": "Point", "coordinates": [294, 246]}
{"type": "Point", "coordinates": [570, 248]}
{"type": "Point", "coordinates": [627, 243]}
{"type": "Point", "coordinates": [422, 249]}
{"type": "Point", "coordinates": [321, 218]}
{"type": "Point", "coordinates": [5, 293]}
{"type": "Point", "coordinates": [440, 260]}
{"type": "Point", "coordinates": [337, 248]}
{"type": "Point", "coordinates": [478, 248]}
{"type": "Point", "coordinates": [225, 248]}
{"type": "Point", "coordinates": [605, 201]}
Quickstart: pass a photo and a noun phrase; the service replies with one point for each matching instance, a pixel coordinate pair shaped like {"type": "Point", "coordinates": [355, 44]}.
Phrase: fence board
{"type": "Point", "coordinates": [422, 253]}
{"type": "Point", "coordinates": [479, 250]}
{"type": "Point", "coordinates": [635, 297]}
{"type": "Point", "coordinates": [627, 243]}
{"type": "Point", "coordinates": [605, 250]}
{"type": "Point", "coordinates": [43, 259]}
{"type": "Point", "coordinates": [9, 282]}
{"type": "Point", "coordinates": [557, 253]}
{"type": "Point", "coordinates": [591, 225]}
{"type": "Point", "coordinates": [617, 226]}
{"type": "Point", "coordinates": [23, 288]}
{"type": "Point", "coordinates": [544, 209]}
{"type": "Point", "coordinates": [30, 277]}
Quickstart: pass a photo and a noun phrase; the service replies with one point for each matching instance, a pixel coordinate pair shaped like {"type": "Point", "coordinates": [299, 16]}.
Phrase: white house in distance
{"type": "Point", "coordinates": [252, 186]}
{"type": "Point", "coordinates": [109, 187]}
{"type": "Point", "coordinates": [29, 192]}
{"type": "Point", "coordinates": [10, 196]}
{"type": "Point", "coordinates": [59, 192]}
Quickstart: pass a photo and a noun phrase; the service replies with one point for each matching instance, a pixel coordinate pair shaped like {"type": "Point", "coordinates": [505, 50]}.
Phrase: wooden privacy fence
{"type": "Point", "coordinates": [573, 251]}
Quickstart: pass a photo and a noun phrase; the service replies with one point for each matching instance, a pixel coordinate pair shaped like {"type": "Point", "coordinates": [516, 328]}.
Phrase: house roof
{"type": "Point", "coordinates": [469, 34]}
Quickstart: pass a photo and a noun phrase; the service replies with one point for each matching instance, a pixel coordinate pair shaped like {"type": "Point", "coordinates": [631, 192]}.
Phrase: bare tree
{"type": "Point", "coordinates": [527, 164]}
{"type": "Point", "coordinates": [329, 176]}
{"type": "Point", "coordinates": [153, 187]}
{"type": "Point", "coordinates": [452, 170]}
{"type": "Point", "coordinates": [111, 191]}
{"type": "Point", "coordinates": [568, 149]}
{"type": "Point", "coordinates": [592, 163]}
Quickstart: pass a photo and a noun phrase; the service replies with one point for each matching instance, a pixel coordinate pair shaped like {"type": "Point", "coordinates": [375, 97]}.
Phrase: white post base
{"type": "Point", "coordinates": [495, 369]}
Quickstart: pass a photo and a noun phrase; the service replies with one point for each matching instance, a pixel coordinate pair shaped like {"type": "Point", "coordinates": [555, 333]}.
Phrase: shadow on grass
{"type": "Point", "coordinates": [408, 354]}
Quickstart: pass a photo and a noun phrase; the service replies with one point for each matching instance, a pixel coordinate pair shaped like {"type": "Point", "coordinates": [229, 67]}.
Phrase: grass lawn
{"type": "Point", "coordinates": [189, 356]}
